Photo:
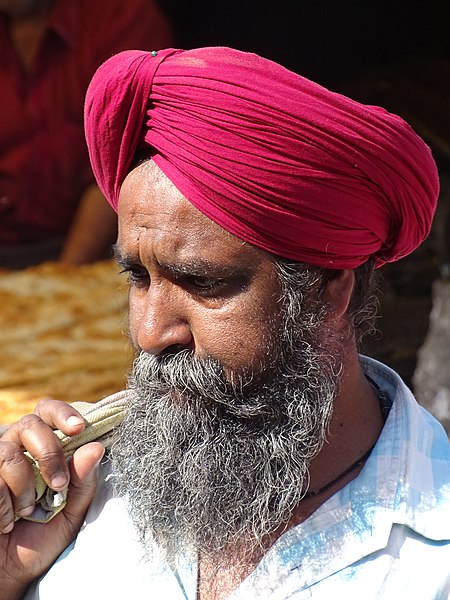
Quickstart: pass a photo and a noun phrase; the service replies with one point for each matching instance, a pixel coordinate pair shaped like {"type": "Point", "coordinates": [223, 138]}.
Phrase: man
{"type": "Point", "coordinates": [260, 456]}
{"type": "Point", "coordinates": [50, 206]}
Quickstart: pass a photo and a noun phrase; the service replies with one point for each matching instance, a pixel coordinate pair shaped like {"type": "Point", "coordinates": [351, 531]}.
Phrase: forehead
{"type": "Point", "coordinates": [155, 217]}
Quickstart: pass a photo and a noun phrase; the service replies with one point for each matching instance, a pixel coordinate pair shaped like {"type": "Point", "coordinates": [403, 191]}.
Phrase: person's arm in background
{"type": "Point", "coordinates": [93, 230]}
{"type": "Point", "coordinates": [112, 26]}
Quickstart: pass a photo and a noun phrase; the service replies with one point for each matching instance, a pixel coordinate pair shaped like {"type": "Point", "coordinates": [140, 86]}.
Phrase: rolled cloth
{"type": "Point", "coordinates": [274, 158]}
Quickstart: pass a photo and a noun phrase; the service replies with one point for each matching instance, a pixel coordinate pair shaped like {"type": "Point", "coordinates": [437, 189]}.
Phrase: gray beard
{"type": "Point", "coordinates": [208, 460]}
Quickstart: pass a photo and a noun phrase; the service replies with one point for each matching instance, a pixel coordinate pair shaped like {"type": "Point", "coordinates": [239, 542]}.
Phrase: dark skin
{"type": "Point", "coordinates": [192, 285]}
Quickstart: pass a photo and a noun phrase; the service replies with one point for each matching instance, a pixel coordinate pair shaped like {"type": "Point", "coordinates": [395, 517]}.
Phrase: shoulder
{"type": "Point", "coordinates": [414, 450]}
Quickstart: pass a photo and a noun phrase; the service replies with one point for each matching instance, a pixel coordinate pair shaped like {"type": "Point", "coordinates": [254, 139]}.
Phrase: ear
{"type": "Point", "coordinates": [338, 292]}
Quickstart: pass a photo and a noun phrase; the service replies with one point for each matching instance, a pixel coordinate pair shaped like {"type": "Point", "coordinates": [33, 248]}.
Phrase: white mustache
{"type": "Point", "coordinates": [191, 377]}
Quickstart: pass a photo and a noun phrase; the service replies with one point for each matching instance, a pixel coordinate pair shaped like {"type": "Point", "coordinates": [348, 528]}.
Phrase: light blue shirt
{"type": "Point", "coordinates": [385, 535]}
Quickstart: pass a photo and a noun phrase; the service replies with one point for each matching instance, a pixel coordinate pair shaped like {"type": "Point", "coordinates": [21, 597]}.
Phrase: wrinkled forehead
{"type": "Point", "coordinates": [146, 190]}
{"type": "Point", "coordinates": [155, 218]}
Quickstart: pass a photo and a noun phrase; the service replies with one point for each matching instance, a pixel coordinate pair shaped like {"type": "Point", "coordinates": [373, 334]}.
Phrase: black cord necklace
{"type": "Point", "coordinates": [327, 486]}
{"type": "Point", "coordinates": [385, 406]}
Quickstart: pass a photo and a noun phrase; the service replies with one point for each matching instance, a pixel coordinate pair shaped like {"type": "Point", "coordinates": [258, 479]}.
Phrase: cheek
{"type": "Point", "coordinates": [135, 316]}
{"type": "Point", "coordinates": [240, 339]}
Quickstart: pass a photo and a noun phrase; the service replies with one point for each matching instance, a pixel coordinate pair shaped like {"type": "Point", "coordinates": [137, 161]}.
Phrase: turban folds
{"type": "Point", "coordinates": [274, 158]}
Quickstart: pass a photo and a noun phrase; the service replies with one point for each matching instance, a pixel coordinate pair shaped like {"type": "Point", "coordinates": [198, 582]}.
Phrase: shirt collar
{"type": "Point", "coordinates": [414, 451]}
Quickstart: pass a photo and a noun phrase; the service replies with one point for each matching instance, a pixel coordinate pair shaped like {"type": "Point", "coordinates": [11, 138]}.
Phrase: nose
{"type": "Point", "coordinates": [161, 323]}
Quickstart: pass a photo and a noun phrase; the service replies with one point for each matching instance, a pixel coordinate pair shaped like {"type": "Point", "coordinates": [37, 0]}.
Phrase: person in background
{"type": "Point", "coordinates": [50, 205]}
{"type": "Point", "coordinates": [260, 454]}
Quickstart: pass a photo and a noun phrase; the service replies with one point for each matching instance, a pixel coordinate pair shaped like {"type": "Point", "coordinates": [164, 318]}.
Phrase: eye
{"type": "Point", "coordinates": [137, 276]}
{"type": "Point", "coordinates": [206, 285]}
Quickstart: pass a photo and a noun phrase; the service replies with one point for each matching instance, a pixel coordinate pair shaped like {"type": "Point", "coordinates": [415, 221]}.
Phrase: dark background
{"type": "Point", "coordinates": [326, 41]}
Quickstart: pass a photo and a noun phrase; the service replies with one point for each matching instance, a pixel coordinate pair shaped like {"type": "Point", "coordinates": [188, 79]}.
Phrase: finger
{"type": "Point", "coordinates": [32, 548]}
{"type": "Point", "coordinates": [6, 509]}
{"type": "Point", "coordinates": [17, 489]}
{"type": "Point", "coordinates": [83, 482]}
{"type": "Point", "coordinates": [60, 415]}
{"type": "Point", "coordinates": [35, 436]}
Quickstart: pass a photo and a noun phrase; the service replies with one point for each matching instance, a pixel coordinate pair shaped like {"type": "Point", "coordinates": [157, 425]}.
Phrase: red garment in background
{"type": "Point", "coordinates": [44, 164]}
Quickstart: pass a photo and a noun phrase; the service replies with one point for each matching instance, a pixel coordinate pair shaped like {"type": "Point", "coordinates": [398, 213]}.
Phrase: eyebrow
{"type": "Point", "coordinates": [196, 266]}
{"type": "Point", "coordinates": [203, 268]}
{"type": "Point", "coordinates": [122, 259]}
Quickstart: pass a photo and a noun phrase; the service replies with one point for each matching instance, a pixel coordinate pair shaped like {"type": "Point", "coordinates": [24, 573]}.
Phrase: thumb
{"type": "Point", "coordinates": [83, 483]}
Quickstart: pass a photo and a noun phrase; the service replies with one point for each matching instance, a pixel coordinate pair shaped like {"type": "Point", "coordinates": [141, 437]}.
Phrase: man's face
{"type": "Point", "coordinates": [192, 285]}
{"type": "Point", "coordinates": [234, 383]}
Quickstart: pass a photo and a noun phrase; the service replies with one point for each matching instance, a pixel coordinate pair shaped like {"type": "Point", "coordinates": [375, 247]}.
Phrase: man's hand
{"type": "Point", "coordinates": [27, 549]}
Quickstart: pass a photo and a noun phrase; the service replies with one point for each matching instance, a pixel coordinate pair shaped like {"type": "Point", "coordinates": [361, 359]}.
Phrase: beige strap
{"type": "Point", "coordinates": [101, 419]}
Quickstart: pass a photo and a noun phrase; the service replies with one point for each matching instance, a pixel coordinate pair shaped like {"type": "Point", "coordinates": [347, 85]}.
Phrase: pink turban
{"type": "Point", "coordinates": [275, 159]}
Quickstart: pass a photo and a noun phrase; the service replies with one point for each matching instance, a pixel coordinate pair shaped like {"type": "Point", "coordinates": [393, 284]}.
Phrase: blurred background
{"type": "Point", "coordinates": [394, 53]}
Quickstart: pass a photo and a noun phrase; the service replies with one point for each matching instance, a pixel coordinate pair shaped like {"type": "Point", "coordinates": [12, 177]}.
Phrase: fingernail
{"type": "Point", "coordinates": [73, 421]}
{"type": "Point", "coordinates": [59, 481]}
